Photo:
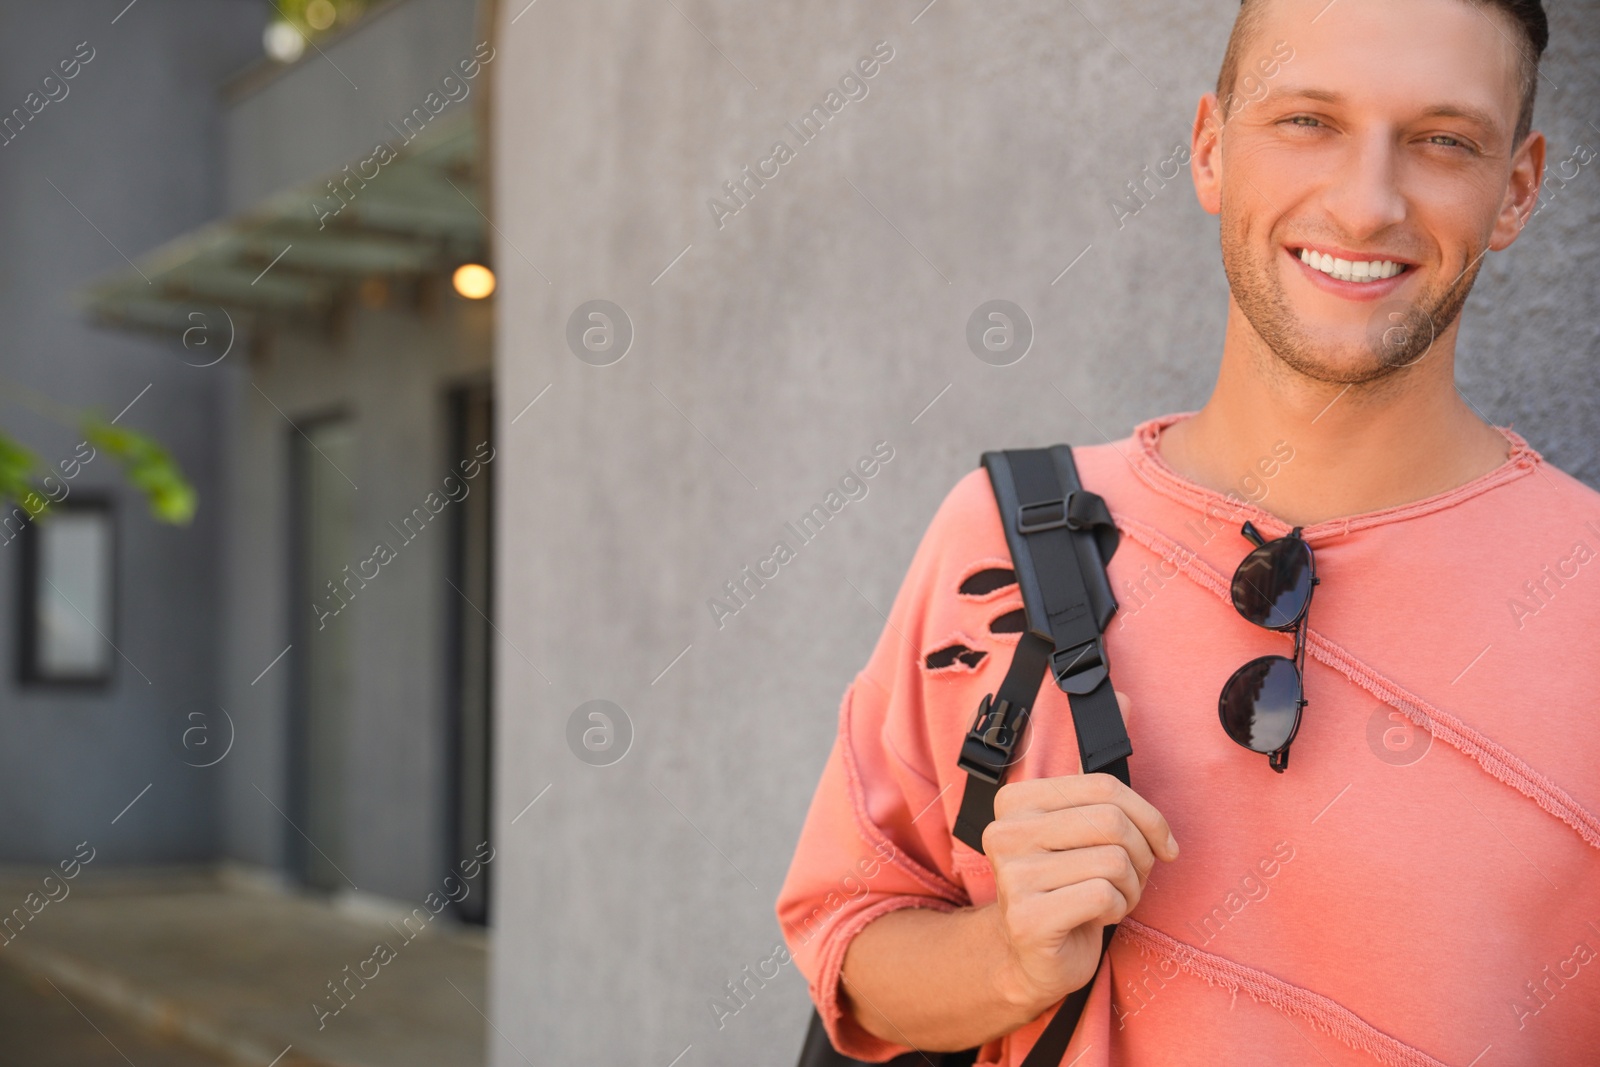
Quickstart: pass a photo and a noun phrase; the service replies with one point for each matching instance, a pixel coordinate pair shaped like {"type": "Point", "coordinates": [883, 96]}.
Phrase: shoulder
{"type": "Point", "coordinates": [1566, 492]}
{"type": "Point", "coordinates": [1534, 498]}
{"type": "Point", "coordinates": [968, 517]}
{"type": "Point", "coordinates": [968, 508]}
{"type": "Point", "coordinates": [964, 536]}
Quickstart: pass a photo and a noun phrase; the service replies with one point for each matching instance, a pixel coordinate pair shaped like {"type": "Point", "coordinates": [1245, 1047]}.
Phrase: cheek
{"type": "Point", "coordinates": [1268, 194]}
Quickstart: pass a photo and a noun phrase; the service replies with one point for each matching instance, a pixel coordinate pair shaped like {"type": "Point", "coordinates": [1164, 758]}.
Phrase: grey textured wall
{"type": "Point", "coordinates": [822, 317]}
{"type": "Point", "coordinates": [70, 761]}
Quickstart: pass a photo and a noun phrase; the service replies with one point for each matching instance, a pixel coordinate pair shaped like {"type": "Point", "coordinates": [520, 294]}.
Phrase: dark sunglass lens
{"type": "Point", "coordinates": [1273, 584]}
{"type": "Point", "coordinates": [1260, 703]}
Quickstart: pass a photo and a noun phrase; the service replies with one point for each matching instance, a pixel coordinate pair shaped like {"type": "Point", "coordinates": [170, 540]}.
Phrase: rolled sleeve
{"type": "Point", "coordinates": [877, 837]}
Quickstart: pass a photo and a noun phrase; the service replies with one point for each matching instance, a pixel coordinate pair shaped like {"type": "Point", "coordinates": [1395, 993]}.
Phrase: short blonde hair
{"type": "Point", "coordinates": [1526, 16]}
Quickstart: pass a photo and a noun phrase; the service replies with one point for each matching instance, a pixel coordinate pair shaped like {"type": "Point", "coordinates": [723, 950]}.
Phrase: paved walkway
{"type": "Point", "coordinates": [237, 971]}
{"type": "Point", "coordinates": [43, 1027]}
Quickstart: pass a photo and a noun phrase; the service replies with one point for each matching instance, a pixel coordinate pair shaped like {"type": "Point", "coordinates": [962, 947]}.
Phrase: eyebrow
{"type": "Point", "coordinates": [1465, 112]}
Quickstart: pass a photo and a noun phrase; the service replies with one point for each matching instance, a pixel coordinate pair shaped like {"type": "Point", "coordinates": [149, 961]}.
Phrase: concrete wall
{"type": "Point", "coordinates": [69, 762]}
{"type": "Point", "coordinates": [826, 315]}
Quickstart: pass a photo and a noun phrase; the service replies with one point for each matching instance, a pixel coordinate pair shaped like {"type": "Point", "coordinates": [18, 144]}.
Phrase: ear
{"type": "Point", "coordinates": [1205, 154]}
{"type": "Point", "coordinates": [1522, 192]}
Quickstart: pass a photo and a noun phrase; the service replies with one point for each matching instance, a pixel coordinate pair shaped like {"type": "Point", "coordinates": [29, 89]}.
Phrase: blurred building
{"type": "Point", "coordinates": [301, 677]}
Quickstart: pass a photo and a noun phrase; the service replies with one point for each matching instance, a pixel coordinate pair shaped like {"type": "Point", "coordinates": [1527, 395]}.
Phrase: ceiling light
{"type": "Point", "coordinates": [473, 281]}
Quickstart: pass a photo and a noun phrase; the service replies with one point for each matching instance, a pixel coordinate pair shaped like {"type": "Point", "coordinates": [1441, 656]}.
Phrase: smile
{"type": "Point", "coordinates": [1346, 270]}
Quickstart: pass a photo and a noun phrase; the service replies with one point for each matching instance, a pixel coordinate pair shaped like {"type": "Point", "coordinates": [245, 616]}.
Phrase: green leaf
{"type": "Point", "coordinates": [150, 468]}
{"type": "Point", "coordinates": [17, 468]}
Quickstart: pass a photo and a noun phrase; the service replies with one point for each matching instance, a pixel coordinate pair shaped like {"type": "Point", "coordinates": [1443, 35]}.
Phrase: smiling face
{"type": "Point", "coordinates": [1360, 192]}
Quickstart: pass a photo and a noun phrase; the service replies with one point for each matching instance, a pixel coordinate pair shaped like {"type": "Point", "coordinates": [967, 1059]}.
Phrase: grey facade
{"type": "Point", "coordinates": [71, 760]}
{"type": "Point", "coordinates": [229, 220]}
{"type": "Point", "coordinates": [824, 315]}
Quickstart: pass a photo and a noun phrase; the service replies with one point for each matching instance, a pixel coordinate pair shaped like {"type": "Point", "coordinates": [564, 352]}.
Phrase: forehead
{"type": "Point", "coordinates": [1397, 54]}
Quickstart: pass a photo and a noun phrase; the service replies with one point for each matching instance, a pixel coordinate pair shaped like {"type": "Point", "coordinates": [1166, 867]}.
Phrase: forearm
{"type": "Point", "coordinates": [937, 981]}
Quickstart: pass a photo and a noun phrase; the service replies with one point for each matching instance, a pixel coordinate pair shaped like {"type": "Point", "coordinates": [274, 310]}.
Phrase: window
{"type": "Point", "coordinates": [68, 556]}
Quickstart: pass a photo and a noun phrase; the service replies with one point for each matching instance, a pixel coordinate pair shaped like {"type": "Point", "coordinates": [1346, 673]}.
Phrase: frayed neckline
{"type": "Point", "coordinates": [1152, 468]}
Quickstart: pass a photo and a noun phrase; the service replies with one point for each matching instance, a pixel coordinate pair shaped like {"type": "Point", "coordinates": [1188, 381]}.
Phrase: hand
{"type": "Point", "coordinates": [1071, 855]}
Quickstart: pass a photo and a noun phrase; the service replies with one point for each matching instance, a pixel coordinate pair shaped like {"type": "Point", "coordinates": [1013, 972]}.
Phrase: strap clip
{"type": "Point", "coordinates": [1082, 668]}
{"type": "Point", "coordinates": [1078, 510]}
{"type": "Point", "coordinates": [1043, 515]}
{"type": "Point", "coordinates": [987, 751]}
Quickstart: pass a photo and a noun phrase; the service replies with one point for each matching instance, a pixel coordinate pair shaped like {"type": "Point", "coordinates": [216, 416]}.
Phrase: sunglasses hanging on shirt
{"type": "Point", "coordinates": [1260, 705]}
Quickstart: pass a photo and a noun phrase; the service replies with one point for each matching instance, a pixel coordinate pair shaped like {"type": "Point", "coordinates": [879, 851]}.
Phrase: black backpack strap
{"type": "Point", "coordinates": [1060, 536]}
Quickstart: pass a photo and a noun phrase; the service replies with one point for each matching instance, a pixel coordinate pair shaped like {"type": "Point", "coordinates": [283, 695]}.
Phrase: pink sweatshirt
{"type": "Point", "coordinates": [1421, 887]}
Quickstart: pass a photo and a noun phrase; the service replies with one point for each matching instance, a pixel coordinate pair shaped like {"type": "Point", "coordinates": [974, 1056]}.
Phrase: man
{"type": "Point", "coordinates": [1422, 885]}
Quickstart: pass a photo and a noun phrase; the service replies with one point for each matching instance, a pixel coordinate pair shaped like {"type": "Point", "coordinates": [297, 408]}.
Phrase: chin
{"type": "Point", "coordinates": [1342, 361]}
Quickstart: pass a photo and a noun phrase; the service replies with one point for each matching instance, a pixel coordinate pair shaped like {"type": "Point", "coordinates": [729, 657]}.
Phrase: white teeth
{"type": "Point", "coordinates": [1344, 270]}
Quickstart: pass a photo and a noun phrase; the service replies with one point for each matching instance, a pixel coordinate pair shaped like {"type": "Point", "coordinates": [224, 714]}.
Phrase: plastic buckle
{"type": "Point", "coordinates": [993, 738]}
{"type": "Point", "coordinates": [1061, 507]}
{"type": "Point", "coordinates": [1080, 669]}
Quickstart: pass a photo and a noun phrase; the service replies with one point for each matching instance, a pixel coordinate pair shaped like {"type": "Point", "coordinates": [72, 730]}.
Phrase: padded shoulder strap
{"type": "Point", "coordinates": [1060, 536]}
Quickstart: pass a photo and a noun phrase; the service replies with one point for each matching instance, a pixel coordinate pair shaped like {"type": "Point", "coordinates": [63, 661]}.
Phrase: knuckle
{"type": "Point", "coordinates": [1104, 787]}
{"type": "Point", "coordinates": [1113, 863]}
{"type": "Point", "coordinates": [1106, 896]}
{"type": "Point", "coordinates": [1005, 835]}
{"type": "Point", "coordinates": [1018, 796]}
{"type": "Point", "coordinates": [1006, 875]}
{"type": "Point", "coordinates": [1141, 867]}
{"type": "Point", "coordinates": [1106, 820]}
{"type": "Point", "coordinates": [1126, 869]}
{"type": "Point", "coordinates": [1006, 799]}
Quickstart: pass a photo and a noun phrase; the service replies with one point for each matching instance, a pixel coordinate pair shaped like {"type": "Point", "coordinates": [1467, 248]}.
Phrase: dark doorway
{"type": "Point", "coordinates": [322, 511]}
{"type": "Point", "coordinates": [470, 649]}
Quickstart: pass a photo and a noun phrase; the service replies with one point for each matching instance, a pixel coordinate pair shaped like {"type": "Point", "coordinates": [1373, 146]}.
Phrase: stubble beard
{"type": "Point", "coordinates": [1398, 337]}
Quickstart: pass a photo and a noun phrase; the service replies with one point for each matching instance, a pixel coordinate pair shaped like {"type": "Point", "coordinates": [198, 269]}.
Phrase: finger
{"type": "Point", "coordinates": [1091, 827]}
{"type": "Point", "coordinates": [1046, 872]}
{"type": "Point", "coordinates": [1063, 910]}
{"type": "Point", "coordinates": [1041, 795]}
{"type": "Point", "coordinates": [1069, 829]}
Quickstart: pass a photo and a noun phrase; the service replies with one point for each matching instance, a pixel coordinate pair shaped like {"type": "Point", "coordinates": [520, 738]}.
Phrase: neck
{"type": "Point", "coordinates": [1351, 449]}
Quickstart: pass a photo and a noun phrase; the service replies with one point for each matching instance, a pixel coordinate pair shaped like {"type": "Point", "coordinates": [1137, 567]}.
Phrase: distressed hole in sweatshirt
{"type": "Point", "coordinates": [1011, 622]}
{"type": "Point", "coordinates": [988, 580]}
{"type": "Point", "coordinates": [950, 655]}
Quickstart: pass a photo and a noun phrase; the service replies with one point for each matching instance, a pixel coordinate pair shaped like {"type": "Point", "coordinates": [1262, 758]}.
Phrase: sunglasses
{"type": "Point", "coordinates": [1260, 705]}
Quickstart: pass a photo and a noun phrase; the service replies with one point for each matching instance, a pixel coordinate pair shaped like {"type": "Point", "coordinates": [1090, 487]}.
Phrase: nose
{"type": "Point", "coordinates": [1364, 195]}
